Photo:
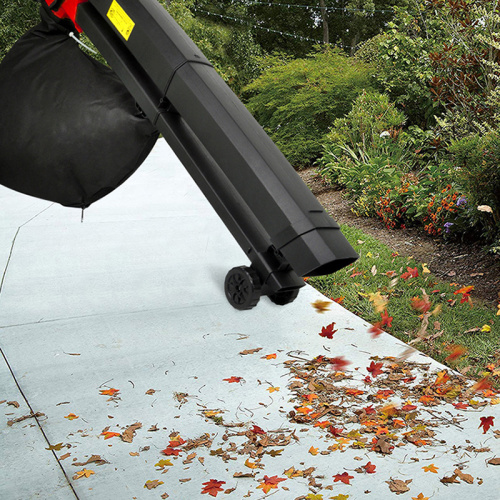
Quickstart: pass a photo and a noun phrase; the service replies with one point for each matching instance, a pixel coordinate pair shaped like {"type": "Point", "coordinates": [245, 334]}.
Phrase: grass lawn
{"type": "Point", "coordinates": [461, 332]}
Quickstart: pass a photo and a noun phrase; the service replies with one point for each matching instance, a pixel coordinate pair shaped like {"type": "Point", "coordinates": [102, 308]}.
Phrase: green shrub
{"type": "Point", "coordinates": [297, 102]}
{"type": "Point", "coordinates": [477, 160]}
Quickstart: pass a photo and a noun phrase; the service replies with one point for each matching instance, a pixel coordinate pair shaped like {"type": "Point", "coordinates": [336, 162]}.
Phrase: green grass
{"type": "Point", "coordinates": [455, 318]}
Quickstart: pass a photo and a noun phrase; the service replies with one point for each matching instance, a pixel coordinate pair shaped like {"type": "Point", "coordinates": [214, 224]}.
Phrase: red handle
{"type": "Point", "coordinates": [65, 9]}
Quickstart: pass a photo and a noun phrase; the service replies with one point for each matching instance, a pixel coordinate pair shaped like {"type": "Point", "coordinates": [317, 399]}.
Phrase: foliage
{"type": "Point", "coordinates": [380, 270]}
{"type": "Point", "coordinates": [477, 159]}
{"type": "Point", "coordinates": [297, 102]}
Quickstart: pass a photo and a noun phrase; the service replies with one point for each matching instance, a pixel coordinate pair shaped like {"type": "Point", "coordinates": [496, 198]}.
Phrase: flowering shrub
{"type": "Point", "coordinates": [440, 211]}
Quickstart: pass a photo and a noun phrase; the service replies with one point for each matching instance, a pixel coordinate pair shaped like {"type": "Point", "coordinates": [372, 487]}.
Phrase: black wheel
{"type": "Point", "coordinates": [282, 298]}
{"type": "Point", "coordinates": [242, 287]}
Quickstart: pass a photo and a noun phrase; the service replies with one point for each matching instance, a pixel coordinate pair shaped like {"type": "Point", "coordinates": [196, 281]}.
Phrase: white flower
{"type": "Point", "coordinates": [385, 133]}
{"type": "Point", "coordinates": [485, 208]}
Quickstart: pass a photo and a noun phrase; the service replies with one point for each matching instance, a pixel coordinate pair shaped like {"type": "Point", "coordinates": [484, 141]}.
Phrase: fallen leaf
{"type": "Point", "coordinates": [313, 451]}
{"type": "Point", "coordinates": [269, 356]}
{"type": "Point", "coordinates": [233, 380]}
{"type": "Point", "coordinates": [375, 369]}
{"type": "Point", "coordinates": [109, 392]}
{"type": "Point", "coordinates": [494, 461]}
{"type": "Point", "coordinates": [485, 208]}
{"type": "Point", "coordinates": [65, 456]}
{"type": "Point", "coordinates": [212, 487]}
{"type": "Point", "coordinates": [343, 478]}
{"type": "Point", "coordinates": [169, 451]}
{"type": "Point", "coordinates": [150, 392]}
{"type": "Point", "coordinates": [83, 473]}
{"type": "Point", "coordinates": [55, 447]}
{"type": "Point", "coordinates": [152, 484]}
{"type": "Point", "coordinates": [257, 430]}
{"type": "Point", "coordinates": [250, 351]}
{"type": "Point", "coordinates": [13, 403]}
{"type": "Point", "coordinates": [430, 468]}
{"type": "Point", "coordinates": [486, 423]}
{"type": "Point", "coordinates": [340, 497]}
{"type": "Point", "coordinates": [108, 434]}
{"type": "Point", "coordinates": [398, 486]}
{"type": "Point", "coordinates": [379, 301]}
{"type": "Point", "coordinates": [369, 468]}
{"type": "Point", "coordinates": [450, 479]}
{"type": "Point", "coordinates": [273, 389]}
{"type": "Point", "coordinates": [339, 363]}
{"type": "Point", "coordinates": [269, 483]}
{"type": "Point", "coordinates": [328, 331]}
{"type": "Point", "coordinates": [455, 352]}
{"type": "Point", "coordinates": [486, 328]}
{"type": "Point", "coordinates": [164, 463]}
{"type": "Point", "coordinates": [71, 416]}
{"type": "Point", "coordinates": [128, 434]}
{"type": "Point", "coordinates": [464, 477]}
{"type": "Point", "coordinates": [133, 453]}
{"type": "Point", "coordinates": [420, 497]}
{"type": "Point", "coordinates": [95, 459]}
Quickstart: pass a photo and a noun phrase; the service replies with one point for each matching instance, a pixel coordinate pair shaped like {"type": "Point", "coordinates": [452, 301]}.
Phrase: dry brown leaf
{"type": "Point", "coordinates": [250, 351]}
{"type": "Point", "coordinates": [56, 447]}
{"type": "Point", "coordinates": [152, 484]}
{"type": "Point", "coordinates": [398, 486]}
{"type": "Point", "coordinates": [164, 496]}
{"type": "Point", "coordinates": [65, 456]}
{"type": "Point", "coordinates": [464, 477]}
{"type": "Point", "coordinates": [134, 453]}
{"type": "Point", "coordinates": [450, 479]}
{"type": "Point", "coordinates": [93, 459]}
{"type": "Point", "coordinates": [128, 434]}
{"type": "Point", "coordinates": [184, 480]}
{"type": "Point", "coordinates": [494, 461]}
{"type": "Point", "coordinates": [150, 392]}
{"type": "Point", "coordinates": [244, 474]}
{"type": "Point", "coordinates": [13, 403]}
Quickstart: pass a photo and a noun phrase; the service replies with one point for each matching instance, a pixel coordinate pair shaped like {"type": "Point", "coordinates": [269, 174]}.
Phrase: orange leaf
{"type": "Point", "coordinates": [109, 434]}
{"type": "Point", "coordinates": [313, 451]}
{"type": "Point", "coordinates": [270, 356]}
{"type": "Point", "coordinates": [430, 468]}
{"type": "Point", "coordinates": [270, 483]}
{"type": "Point", "coordinates": [232, 380]}
{"type": "Point", "coordinates": [109, 392]}
{"type": "Point", "coordinates": [71, 416]}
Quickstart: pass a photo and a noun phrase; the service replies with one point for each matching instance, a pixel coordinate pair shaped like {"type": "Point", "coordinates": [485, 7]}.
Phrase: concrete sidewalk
{"type": "Point", "coordinates": [132, 300]}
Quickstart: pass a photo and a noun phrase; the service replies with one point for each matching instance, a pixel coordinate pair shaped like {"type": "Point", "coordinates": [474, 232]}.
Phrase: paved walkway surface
{"type": "Point", "coordinates": [125, 373]}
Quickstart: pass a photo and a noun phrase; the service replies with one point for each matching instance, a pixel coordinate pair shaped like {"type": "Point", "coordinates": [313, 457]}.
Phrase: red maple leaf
{"type": "Point", "coordinates": [386, 319]}
{"type": "Point", "coordinates": [369, 468]}
{"type": "Point", "coordinates": [375, 368]}
{"type": "Point", "coordinates": [367, 380]}
{"type": "Point", "coordinates": [213, 487]}
{"type": "Point", "coordinates": [170, 451]}
{"type": "Point", "coordinates": [370, 410]}
{"type": "Point", "coordinates": [486, 423]}
{"type": "Point", "coordinates": [339, 363]}
{"type": "Point", "coordinates": [421, 305]}
{"type": "Point", "coordinates": [376, 329]}
{"type": "Point", "coordinates": [257, 430]}
{"type": "Point", "coordinates": [409, 407]}
{"type": "Point", "coordinates": [270, 483]}
{"type": "Point", "coordinates": [411, 273]}
{"type": "Point", "coordinates": [344, 478]}
{"type": "Point", "coordinates": [339, 300]}
{"type": "Point", "coordinates": [336, 431]}
{"type": "Point", "coordinates": [176, 442]}
{"type": "Point", "coordinates": [328, 331]}
{"type": "Point", "coordinates": [233, 379]}
{"type": "Point", "coordinates": [461, 406]}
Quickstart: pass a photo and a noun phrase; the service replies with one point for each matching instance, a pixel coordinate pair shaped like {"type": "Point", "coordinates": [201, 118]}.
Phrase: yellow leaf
{"type": "Point", "coordinates": [498, 312]}
{"type": "Point", "coordinates": [211, 413]}
{"type": "Point", "coordinates": [313, 451]}
{"type": "Point", "coordinates": [495, 401]}
{"type": "Point", "coordinates": [321, 306]}
{"type": "Point", "coordinates": [164, 463]}
{"type": "Point", "coordinates": [340, 497]}
{"type": "Point", "coordinates": [425, 269]}
{"type": "Point", "coordinates": [83, 473]}
{"type": "Point", "coordinates": [369, 255]}
{"type": "Point", "coordinates": [273, 389]}
{"type": "Point", "coordinates": [251, 465]}
{"type": "Point", "coordinates": [486, 328]}
{"type": "Point", "coordinates": [437, 310]}
{"type": "Point", "coordinates": [379, 301]}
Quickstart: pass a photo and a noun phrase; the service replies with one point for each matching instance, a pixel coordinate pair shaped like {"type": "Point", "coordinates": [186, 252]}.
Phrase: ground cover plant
{"type": "Point", "coordinates": [402, 296]}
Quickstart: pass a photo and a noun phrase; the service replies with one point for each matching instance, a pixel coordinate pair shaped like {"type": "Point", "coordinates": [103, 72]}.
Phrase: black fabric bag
{"type": "Point", "coordinates": [70, 132]}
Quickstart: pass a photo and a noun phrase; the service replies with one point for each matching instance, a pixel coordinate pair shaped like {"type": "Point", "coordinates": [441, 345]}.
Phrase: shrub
{"type": "Point", "coordinates": [476, 159]}
{"type": "Point", "coordinates": [297, 102]}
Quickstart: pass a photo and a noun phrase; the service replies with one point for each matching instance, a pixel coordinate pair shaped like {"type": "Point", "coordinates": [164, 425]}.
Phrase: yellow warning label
{"type": "Point", "coordinates": [120, 19]}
